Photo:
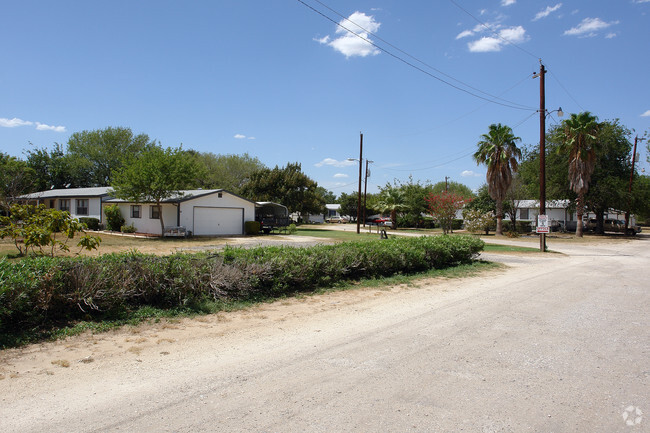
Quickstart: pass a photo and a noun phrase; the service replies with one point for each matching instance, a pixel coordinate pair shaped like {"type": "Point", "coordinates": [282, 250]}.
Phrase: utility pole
{"type": "Point", "coordinates": [359, 197]}
{"type": "Point", "coordinates": [629, 199]}
{"type": "Point", "coordinates": [365, 191]}
{"type": "Point", "coordinates": [446, 184]}
{"type": "Point", "coordinates": [542, 151]}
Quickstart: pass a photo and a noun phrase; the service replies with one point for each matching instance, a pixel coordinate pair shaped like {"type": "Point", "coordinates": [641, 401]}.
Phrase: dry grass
{"type": "Point", "coordinates": [61, 363]}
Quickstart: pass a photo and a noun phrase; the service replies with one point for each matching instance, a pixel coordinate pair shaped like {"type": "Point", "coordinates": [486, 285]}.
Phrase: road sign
{"type": "Point", "coordinates": [542, 224]}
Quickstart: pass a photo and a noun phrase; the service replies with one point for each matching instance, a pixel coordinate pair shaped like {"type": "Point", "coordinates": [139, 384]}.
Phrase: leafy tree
{"type": "Point", "coordinates": [230, 172]}
{"type": "Point", "coordinates": [516, 193]}
{"type": "Point", "coordinates": [579, 140]}
{"type": "Point", "coordinates": [16, 178]}
{"type": "Point", "coordinates": [52, 168]}
{"type": "Point", "coordinates": [114, 218]}
{"type": "Point", "coordinates": [478, 221]}
{"type": "Point", "coordinates": [610, 179]}
{"type": "Point", "coordinates": [328, 196]}
{"type": "Point", "coordinates": [287, 185]}
{"type": "Point", "coordinates": [155, 175]}
{"type": "Point", "coordinates": [443, 208]}
{"type": "Point", "coordinates": [393, 200]}
{"type": "Point", "coordinates": [456, 187]}
{"type": "Point", "coordinates": [499, 152]}
{"type": "Point", "coordinates": [349, 204]}
{"type": "Point", "coordinates": [36, 227]}
{"type": "Point", "coordinates": [95, 155]}
{"type": "Point", "coordinates": [482, 202]}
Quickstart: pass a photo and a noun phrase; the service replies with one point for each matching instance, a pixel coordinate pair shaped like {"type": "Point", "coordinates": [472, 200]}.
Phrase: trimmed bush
{"type": "Point", "coordinates": [40, 293]}
{"type": "Point", "coordinates": [127, 229]}
{"type": "Point", "coordinates": [91, 223]}
{"type": "Point", "coordinates": [114, 218]}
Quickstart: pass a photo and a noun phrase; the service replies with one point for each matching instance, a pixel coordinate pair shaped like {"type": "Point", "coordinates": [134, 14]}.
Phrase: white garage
{"type": "Point", "coordinates": [210, 221]}
{"type": "Point", "coordinates": [214, 212]}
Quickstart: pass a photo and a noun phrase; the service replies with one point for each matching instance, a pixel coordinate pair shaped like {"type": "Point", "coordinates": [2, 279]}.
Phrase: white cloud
{"type": "Point", "coordinates": [334, 163]}
{"type": "Point", "coordinates": [43, 127]}
{"type": "Point", "coordinates": [340, 175]}
{"type": "Point", "coordinates": [464, 34]}
{"type": "Point", "coordinates": [239, 136]}
{"type": "Point", "coordinates": [470, 173]}
{"type": "Point", "coordinates": [647, 113]}
{"type": "Point", "coordinates": [589, 27]}
{"type": "Point", "coordinates": [356, 43]}
{"type": "Point", "coordinates": [546, 12]}
{"type": "Point", "coordinates": [492, 43]}
{"type": "Point", "coordinates": [610, 35]}
{"type": "Point", "coordinates": [508, 2]}
{"type": "Point", "coordinates": [12, 123]}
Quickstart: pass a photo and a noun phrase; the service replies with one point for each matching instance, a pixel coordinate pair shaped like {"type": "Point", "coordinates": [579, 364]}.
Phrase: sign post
{"type": "Point", "coordinates": [542, 229]}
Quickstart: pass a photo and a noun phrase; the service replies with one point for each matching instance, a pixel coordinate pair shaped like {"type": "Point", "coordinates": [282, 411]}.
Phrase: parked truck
{"type": "Point", "coordinates": [271, 216]}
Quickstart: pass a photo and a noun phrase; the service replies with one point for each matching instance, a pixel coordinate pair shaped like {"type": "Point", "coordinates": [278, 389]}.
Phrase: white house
{"type": "Point", "coordinates": [79, 202]}
{"type": "Point", "coordinates": [211, 212]}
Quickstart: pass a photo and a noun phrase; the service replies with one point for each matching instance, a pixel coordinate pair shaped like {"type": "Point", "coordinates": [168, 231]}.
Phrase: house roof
{"type": "Point", "coordinates": [184, 195]}
{"type": "Point", "coordinates": [550, 204]}
{"type": "Point", "coordinates": [334, 206]}
{"type": "Point", "coordinates": [100, 191]}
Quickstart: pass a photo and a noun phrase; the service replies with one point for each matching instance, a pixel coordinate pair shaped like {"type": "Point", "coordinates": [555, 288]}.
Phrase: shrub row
{"type": "Point", "coordinates": [39, 293]}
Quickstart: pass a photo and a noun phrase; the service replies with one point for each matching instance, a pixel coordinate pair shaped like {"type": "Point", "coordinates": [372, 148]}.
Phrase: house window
{"type": "Point", "coordinates": [220, 194]}
{"type": "Point", "coordinates": [523, 214]}
{"type": "Point", "coordinates": [52, 204]}
{"type": "Point", "coordinates": [136, 210]}
{"type": "Point", "coordinates": [154, 212]}
{"type": "Point", "coordinates": [82, 206]}
{"type": "Point", "coordinates": [64, 205]}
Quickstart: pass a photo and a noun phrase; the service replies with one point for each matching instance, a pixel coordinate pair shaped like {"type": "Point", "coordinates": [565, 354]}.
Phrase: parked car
{"type": "Point", "coordinates": [612, 225]}
{"type": "Point", "coordinates": [337, 219]}
{"type": "Point", "coordinates": [380, 221]}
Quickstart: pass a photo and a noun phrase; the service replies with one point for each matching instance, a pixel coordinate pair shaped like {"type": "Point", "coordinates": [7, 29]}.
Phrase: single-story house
{"type": "Point", "coordinates": [79, 202]}
{"type": "Point", "coordinates": [202, 212]}
{"type": "Point", "coordinates": [559, 213]}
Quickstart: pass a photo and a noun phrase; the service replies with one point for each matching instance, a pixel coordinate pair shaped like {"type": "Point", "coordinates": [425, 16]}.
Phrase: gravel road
{"type": "Point", "coordinates": [549, 343]}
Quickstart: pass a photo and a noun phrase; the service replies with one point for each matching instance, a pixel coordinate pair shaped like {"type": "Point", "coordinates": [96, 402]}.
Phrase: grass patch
{"type": "Point", "coordinates": [498, 248]}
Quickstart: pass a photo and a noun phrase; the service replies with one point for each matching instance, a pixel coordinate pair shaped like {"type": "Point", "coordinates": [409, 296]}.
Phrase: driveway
{"type": "Point", "coordinates": [550, 343]}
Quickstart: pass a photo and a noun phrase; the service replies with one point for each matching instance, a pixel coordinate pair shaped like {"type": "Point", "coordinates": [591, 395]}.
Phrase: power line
{"type": "Point", "coordinates": [566, 91]}
{"type": "Point", "coordinates": [415, 58]}
{"type": "Point", "coordinates": [521, 107]}
{"type": "Point", "coordinates": [493, 31]}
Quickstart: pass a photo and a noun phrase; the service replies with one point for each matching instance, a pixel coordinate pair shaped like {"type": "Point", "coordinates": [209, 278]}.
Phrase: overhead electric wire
{"type": "Point", "coordinates": [416, 59]}
{"type": "Point", "coordinates": [412, 65]}
{"type": "Point", "coordinates": [566, 91]}
{"type": "Point", "coordinates": [493, 31]}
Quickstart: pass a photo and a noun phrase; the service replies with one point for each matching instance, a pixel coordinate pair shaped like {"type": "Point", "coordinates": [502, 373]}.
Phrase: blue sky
{"type": "Point", "coordinates": [284, 83]}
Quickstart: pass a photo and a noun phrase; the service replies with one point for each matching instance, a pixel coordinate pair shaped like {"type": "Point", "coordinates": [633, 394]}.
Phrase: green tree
{"type": "Point", "coordinates": [499, 152]}
{"type": "Point", "coordinates": [16, 178]}
{"type": "Point", "coordinates": [455, 187]}
{"type": "Point", "coordinates": [443, 208]}
{"type": "Point", "coordinates": [393, 200]}
{"type": "Point", "coordinates": [95, 155]}
{"type": "Point", "coordinates": [229, 172]}
{"type": "Point", "coordinates": [579, 141]}
{"type": "Point", "coordinates": [52, 168]}
{"type": "Point", "coordinates": [36, 228]}
{"type": "Point", "coordinates": [349, 204]}
{"type": "Point", "coordinates": [482, 202]}
{"type": "Point", "coordinates": [609, 183]}
{"type": "Point", "coordinates": [286, 185]}
{"type": "Point", "coordinates": [155, 175]}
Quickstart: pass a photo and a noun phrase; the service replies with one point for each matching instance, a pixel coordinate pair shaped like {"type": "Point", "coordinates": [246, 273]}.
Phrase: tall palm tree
{"type": "Point", "coordinates": [393, 200]}
{"type": "Point", "coordinates": [579, 136]}
{"type": "Point", "coordinates": [499, 152]}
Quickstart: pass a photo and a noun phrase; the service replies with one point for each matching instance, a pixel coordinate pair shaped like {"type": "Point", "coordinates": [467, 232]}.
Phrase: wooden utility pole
{"type": "Point", "coordinates": [365, 191]}
{"type": "Point", "coordinates": [629, 191]}
{"type": "Point", "coordinates": [359, 197]}
{"type": "Point", "coordinates": [542, 152]}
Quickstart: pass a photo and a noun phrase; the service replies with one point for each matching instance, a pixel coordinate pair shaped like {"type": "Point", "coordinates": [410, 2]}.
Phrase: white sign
{"type": "Point", "coordinates": [542, 224]}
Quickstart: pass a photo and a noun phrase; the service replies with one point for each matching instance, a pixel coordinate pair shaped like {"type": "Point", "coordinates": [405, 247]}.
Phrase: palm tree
{"type": "Point", "coordinates": [579, 135]}
{"type": "Point", "coordinates": [499, 152]}
{"type": "Point", "coordinates": [393, 200]}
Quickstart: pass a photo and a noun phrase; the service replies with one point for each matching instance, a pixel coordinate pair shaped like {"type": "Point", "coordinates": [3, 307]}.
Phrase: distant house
{"type": "Point", "coordinates": [557, 211]}
{"type": "Point", "coordinates": [79, 202]}
{"type": "Point", "coordinates": [214, 212]}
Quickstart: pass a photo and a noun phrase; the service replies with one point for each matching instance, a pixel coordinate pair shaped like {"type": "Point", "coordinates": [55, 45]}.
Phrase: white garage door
{"type": "Point", "coordinates": [218, 221]}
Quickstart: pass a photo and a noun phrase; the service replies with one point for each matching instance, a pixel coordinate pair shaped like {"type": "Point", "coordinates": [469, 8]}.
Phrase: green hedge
{"type": "Point", "coordinates": [40, 293]}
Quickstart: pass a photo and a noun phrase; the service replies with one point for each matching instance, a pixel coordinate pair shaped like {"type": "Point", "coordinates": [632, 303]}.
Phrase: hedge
{"type": "Point", "coordinates": [41, 293]}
